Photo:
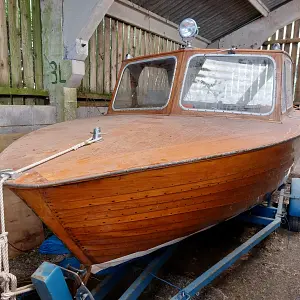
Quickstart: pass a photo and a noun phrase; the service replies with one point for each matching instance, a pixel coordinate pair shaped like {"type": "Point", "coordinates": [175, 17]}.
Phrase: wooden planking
{"type": "Point", "coordinates": [4, 70]}
{"type": "Point", "coordinates": [86, 77]}
{"type": "Point", "coordinates": [164, 205]}
{"type": "Point", "coordinates": [120, 41]}
{"type": "Point", "coordinates": [187, 194]}
{"type": "Point", "coordinates": [289, 39]}
{"type": "Point", "coordinates": [26, 46]}
{"type": "Point", "coordinates": [107, 56]}
{"type": "Point", "coordinates": [37, 204]}
{"type": "Point", "coordinates": [26, 43]}
{"type": "Point", "coordinates": [150, 197]}
{"type": "Point", "coordinates": [37, 44]}
{"type": "Point", "coordinates": [100, 58]}
{"type": "Point", "coordinates": [14, 43]}
{"type": "Point", "coordinates": [126, 39]}
{"type": "Point", "coordinates": [295, 45]}
{"type": "Point", "coordinates": [21, 54]}
{"type": "Point", "coordinates": [93, 64]}
{"type": "Point", "coordinates": [4, 67]}
{"type": "Point", "coordinates": [115, 39]}
{"type": "Point", "coordinates": [99, 238]}
{"type": "Point", "coordinates": [114, 55]}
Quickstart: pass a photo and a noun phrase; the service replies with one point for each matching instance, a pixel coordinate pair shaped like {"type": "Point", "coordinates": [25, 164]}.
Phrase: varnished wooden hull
{"type": "Point", "coordinates": [108, 218]}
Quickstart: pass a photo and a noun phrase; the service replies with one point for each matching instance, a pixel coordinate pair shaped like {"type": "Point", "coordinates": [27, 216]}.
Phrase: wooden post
{"type": "Point", "coordinates": [56, 71]}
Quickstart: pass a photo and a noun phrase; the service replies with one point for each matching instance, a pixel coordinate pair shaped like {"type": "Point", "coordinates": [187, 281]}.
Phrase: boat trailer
{"type": "Point", "coordinates": [62, 283]}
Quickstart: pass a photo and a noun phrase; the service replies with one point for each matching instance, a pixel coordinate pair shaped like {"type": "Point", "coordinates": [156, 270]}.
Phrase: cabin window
{"type": "Point", "coordinates": [229, 83]}
{"type": "Point", "coordinates": [287, 85]}
{"type": "Point", "coordinates": [145, 84]}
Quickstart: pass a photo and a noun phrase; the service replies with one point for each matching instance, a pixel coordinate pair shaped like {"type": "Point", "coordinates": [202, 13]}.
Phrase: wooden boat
{"type": "Point", "coordinates": [192, 138]}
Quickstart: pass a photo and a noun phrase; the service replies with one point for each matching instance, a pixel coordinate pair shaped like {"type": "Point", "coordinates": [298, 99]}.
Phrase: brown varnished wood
{"type": "Point", "coordinates": [165, 111]}
{"type": "Point", "coordinates": [36, 201]}
{"type": "Point", "coordinates": [202, 203]}
{"type": "Point", "coordinates": [157, 175]}
{"type": "Point", "coordinates": [153, 142]}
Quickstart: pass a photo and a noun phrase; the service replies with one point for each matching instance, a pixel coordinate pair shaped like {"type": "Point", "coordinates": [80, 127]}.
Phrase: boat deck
{"type": "Point", "coordinates": [131, 143]}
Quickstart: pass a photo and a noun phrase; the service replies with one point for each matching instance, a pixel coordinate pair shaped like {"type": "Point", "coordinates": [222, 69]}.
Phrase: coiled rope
{"type": "Point", "coordinates": [8, 281]}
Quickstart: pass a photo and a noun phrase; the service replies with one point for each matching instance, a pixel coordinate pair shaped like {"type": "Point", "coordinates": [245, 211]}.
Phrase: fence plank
{"type": "Point", "coordinates": [26, 46]}
{"type": "Point", "coordinates": [126, 30]}
{"type": "Point", "coordinates": [86, 77]}
{"type": "Point", "coordinates": [147, 34]}
{"type": "Point", "coordinates": [142, 41]}
{"type": "Point", "coordinates": [37, 44]}
{"type": "Point", "coordinates": [132, 42]}
{"type": "Point", "coordinates": [4, 68]}
{"type": "Point", "coordinates": [114, 54]}
{"type": "Point", "coordinates": [14, 43]}
{"type": "Point", "coordinates": [100, 60]}
{"type": "Point", "coordinates": [93, 64]}
{"type": "Point", "coordinates": [295, 45]}
{"type": "Point", "coordinates": [120, 39]}
{"type": "Point", "coordinates": [288, 35]}
{"type": "Point", "coordinates": [107, 57]}
{"type": "Point", "coordinates": [26, 43]}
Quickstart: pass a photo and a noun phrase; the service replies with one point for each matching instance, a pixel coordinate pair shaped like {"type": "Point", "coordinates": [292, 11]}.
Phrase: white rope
{"type": "Point", "coordinates": [8, 281]}
{"type": "Point", "coordinates": [85, 143]}
{"type": "Point", "coordinates": [18, 291]}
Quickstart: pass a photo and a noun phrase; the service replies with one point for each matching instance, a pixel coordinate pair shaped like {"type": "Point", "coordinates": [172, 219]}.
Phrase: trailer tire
{"type": "Point", "coordinates": [294, 224]}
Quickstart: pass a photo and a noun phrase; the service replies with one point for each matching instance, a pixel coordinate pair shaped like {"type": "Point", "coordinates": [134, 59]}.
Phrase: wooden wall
{"type": "Point", "coordinates": [108, 46]}
{"type": "Point", "coordinates": [289, 39]}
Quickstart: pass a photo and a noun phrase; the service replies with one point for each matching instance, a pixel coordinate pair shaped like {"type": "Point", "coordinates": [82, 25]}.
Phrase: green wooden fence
{"type": "Point", "coordinates": [21, 74]}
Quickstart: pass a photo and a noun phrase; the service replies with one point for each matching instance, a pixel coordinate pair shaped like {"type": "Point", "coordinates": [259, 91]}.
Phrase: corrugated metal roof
{"type": "Point", "coordinates": [216, 18]}
{"type": "Point", "coordinates": [273, 4]}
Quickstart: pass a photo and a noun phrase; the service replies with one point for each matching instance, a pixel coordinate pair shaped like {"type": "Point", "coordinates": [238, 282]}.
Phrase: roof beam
{"type": "Point", "coordinates": [135, 15]}
{"type": "Point", "coordinates": [80, 20]}
{"type": "Point", "coordinates": [254, 34]}
{"type": "Point", "coordinates": [260, 6]}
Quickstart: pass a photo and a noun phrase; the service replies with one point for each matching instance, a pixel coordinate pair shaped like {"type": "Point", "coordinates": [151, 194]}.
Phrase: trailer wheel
{"type": "Point", "coordinates": [294, 224]}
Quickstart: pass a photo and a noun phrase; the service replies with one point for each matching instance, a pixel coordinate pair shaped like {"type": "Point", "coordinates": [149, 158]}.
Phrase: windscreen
{"type": "Point", "coordinates": [231, 83]}
{"type": "Point", "coordinates": [145, 84]}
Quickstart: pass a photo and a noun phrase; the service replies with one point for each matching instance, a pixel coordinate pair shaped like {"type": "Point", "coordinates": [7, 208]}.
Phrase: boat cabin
{"type": "Point", "coordinates": [205, 82]}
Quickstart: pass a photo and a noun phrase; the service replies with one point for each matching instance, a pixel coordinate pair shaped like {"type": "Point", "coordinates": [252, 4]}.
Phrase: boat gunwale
{"type": "Point", "coordinates": [144, 168]}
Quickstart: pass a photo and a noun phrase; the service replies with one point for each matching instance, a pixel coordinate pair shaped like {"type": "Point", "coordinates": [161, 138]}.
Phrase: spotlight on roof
{"type": "Point", "coordinates": [188, 29]}
{"type": "Point", "coordinates": [128, 56]}
{"type": "Point", "coordinates": [276, 46]}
